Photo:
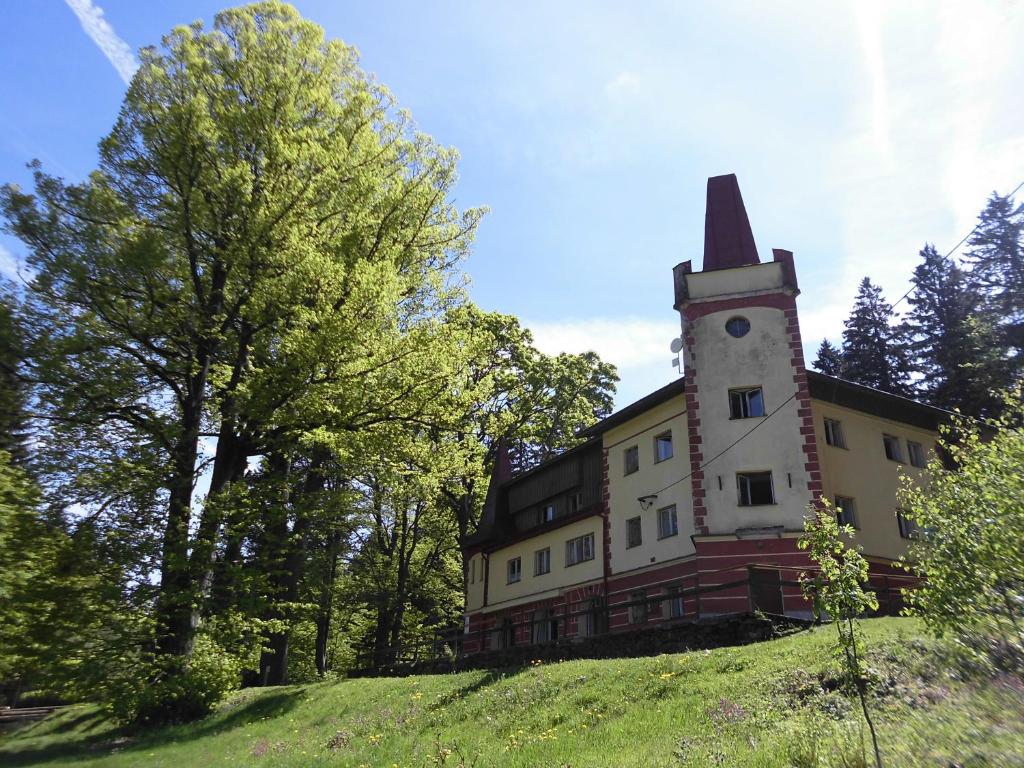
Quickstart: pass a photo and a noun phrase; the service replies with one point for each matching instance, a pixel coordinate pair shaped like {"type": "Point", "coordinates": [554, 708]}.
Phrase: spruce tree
{"type": "Point", "coordinates": [954, 348]}
{"type": "Point", "coordinates": [830, 359]}
{"type": "Point", "coordinates": [874, 348]}
{"type": "Point", "coordinates": [996, 257]}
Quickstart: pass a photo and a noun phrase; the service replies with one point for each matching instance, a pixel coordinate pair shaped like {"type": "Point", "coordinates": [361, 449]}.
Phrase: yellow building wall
{"type": "Point", "coordinates": [624, 490]}
{"type": "Point", "coordinates": [862, 472]}
{"type": "Point", "coordinates": [501, 594]}
{"type": "Point", "coordinates": [475, 582]}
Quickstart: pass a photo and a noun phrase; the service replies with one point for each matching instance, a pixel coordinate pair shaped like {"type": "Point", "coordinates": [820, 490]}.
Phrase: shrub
{"type": "Point", "coordinates": [970, 524]}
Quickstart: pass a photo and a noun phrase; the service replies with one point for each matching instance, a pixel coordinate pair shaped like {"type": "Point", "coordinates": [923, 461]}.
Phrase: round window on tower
{"type": "Point", "coordinates": [737, 327]}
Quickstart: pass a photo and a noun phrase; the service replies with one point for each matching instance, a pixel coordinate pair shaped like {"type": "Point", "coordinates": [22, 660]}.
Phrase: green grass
{"type": "Point", "coordinates": [749, 706]}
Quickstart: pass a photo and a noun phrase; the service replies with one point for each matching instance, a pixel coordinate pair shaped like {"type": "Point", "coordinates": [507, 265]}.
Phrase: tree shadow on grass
{"type": "Point", "coordinates": [492, 676]}
{"type": "Point", "coordinates": [87, 747]}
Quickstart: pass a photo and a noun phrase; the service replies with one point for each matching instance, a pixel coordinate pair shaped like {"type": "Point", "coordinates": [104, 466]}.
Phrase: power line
{"type": "Point", "coordinates": [746, 434]}
{"type": "Point", "coordinates": [955, 247]}
{"type": "Point", "coordinates": [728, 448]}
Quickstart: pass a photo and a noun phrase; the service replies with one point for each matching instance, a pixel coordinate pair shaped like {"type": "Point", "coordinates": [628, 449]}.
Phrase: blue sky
{"type": "Point", "coordinates": [858, 131]}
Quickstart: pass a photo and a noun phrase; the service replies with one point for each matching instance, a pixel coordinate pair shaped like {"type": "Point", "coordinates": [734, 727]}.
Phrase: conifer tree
{"type": "Point", "coordinates": [996, 257]}
{"type": "Point", "coordinates": [954, 348]}
{"type": "Point", "coordinates": [830, 359]}
{"type": "Point", "coordinates": [874, 348]}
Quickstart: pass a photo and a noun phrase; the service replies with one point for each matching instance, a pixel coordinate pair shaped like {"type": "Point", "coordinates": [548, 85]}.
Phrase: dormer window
{"type": "Point", "coordinates": [746, 403]}
{"type": "Point", "coordinates": [547, 513]}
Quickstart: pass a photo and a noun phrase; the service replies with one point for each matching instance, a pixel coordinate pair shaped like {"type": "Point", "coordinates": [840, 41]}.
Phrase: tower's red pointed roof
{"type": "Point", "coordinates": [728, 241]}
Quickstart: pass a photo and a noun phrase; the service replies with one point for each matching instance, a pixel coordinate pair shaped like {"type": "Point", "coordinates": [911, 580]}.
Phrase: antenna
{"type": "Point", "coordinates": [676, 345]}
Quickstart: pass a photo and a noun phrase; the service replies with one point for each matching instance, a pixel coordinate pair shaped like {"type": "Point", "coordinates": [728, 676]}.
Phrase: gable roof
{"type": "Point", "coordinates": [859, 397]}
{"type": "Point", "coordinates": [657, 397]}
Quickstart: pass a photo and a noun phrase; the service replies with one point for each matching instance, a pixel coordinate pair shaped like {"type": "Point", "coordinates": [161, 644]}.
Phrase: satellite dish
{"type": "Point", "coordinates": [676, 345]}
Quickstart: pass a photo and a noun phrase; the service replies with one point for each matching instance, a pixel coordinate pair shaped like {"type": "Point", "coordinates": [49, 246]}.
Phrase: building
{"type": "Point", "coordinates": [689, 502]}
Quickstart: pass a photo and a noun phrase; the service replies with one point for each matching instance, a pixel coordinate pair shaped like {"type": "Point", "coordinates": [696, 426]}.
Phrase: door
{"type": "Point", "coordinates": [766, 590]}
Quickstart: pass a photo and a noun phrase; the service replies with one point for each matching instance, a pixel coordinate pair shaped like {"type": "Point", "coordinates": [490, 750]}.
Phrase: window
{"type": "Point", "coordinates": [846, 512]}
{"type": "Point", "coordinates": [504, 634]}
{"type": "Point", "coordinates": [515, 570]}
{"type": "Point", "coordinates": [579, 549]}
{"type": "Point", "coordinates": [755, 488]}
{"type": "Point", "coordinates": [575, 503]}
{"type": "Point", "coordinates": [634, 535]}
{"type": "Point", "coordinates": [542, 561]}
{"type": "Point", "coordinates": [746, 403]}
{"type": "Point", "coordinates": [545, 626]}
{"type": "Point", "coordinates": [638, 607]}
{"type": "Point", "coordinates": [908, 528]}
{"type": "Point", "coordinates": [892, 448]}
{"type": "Point", "coordinates": [631, 457]}
{"type": "Point", "coordinates": [737, 327]}
{"type": "Point", "coordinates": [472, 571]}
{"type": "Point", "coordinates": [546, 514]}
{"type": "Point", "coordinates": [667, 523]}
{"type": "Point", "coordinates": [591, 619]}
{"type": "Point", "coordinates": [916, 453]}
{"type": "Point", "coordinates": [674, 602]}
{"type": "Point", "coordinates": [663, 446]}
{"type": "Point", "coordinates": [834, 433]}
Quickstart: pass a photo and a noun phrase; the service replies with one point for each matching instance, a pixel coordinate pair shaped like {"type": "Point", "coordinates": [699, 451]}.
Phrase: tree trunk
{"type": "Point", "coordinates": [326, 603]}
{"type": "Point", "coordinates": [174, 616]}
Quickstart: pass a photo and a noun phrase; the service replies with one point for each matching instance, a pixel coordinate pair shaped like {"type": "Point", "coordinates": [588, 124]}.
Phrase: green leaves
{"type": "Point", "coordinates": [971, 524]}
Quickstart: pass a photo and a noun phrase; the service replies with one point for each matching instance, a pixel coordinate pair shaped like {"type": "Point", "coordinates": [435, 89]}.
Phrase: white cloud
{"type": "Point", "coordinates": [622, 85]}
{"type": "Point", "coordinates": [117, 51]}
{"type": "Point", "coordinates": [8, 264]}
{"type": "Point", "coordinates": [870, 22]}
{"type": "Point", "coordinates": [935, 131]}
{"type": "Point", "coordinates": [628, 342]}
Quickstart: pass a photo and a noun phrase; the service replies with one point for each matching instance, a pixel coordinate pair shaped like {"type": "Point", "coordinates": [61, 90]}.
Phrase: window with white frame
{"type": "Point", "coordinates": [668, 525]}
{"type": "Point", "coordinates": [846, 511]}
{"type": "Point", "coordinates": [515, 570]}
{"type": "Point", "coordinates": [746, 403]}
{"type": "Point", "coordinates": [542, 561]}
{"type": "Point", "coordinates": [663, 446]}
{"type": "Point", "coordinates": [472, 571]}
{"type": "Point", "coordinates": [755, 488]}
{"type": "Point", "coordinates": [893, 452]}
{"type": "Point", "coordinates": [631, 460]}
{"type": "Point", "coordinates": [674, 601]}
{"type": "Point", "coordinates": [834, 433]}
{"type": "Point", "coordinates": [638, 607]}
{"type": "Point", "coordinates": [634, 533]}
{"type": "Point", "coordinates": [915, 451]}
{"type": "Point", "coordinates": [579, 549]}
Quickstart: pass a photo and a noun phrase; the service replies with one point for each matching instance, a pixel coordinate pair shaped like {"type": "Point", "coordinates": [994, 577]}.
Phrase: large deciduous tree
{"type": "Point", "coordinates": [258, 260]}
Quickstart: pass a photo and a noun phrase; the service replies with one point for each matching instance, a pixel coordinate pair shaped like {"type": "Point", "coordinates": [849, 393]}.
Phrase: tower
{"type": "Point", "coordinates": [753, 457]}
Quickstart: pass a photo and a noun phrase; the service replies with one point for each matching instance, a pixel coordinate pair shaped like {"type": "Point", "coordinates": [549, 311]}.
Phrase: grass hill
{"type": "Point", "coordinates": [756, 705]}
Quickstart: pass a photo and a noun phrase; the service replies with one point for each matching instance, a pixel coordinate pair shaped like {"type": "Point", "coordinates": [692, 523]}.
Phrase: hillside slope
{"type": "Point", "coordinates": [748, 706]}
